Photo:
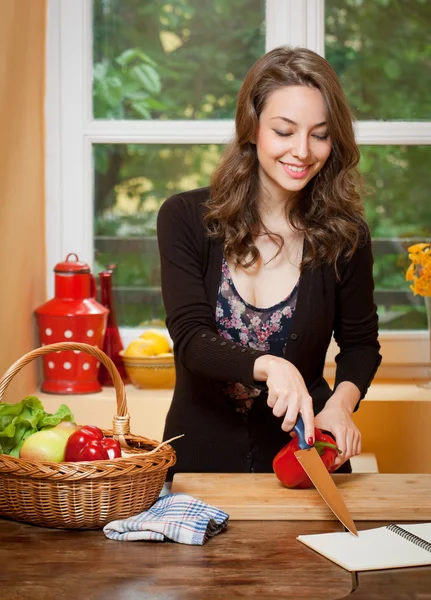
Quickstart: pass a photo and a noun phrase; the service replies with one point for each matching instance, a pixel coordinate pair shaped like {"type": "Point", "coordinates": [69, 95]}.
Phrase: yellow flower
{"type": "Point", "coordinates": [417, 247]}
{"type": "Point", "coordinates": [410, 273]}
{"type": "Point", "coordinates": [419, 270]}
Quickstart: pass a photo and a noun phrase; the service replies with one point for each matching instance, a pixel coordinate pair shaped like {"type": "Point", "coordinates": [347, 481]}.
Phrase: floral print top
{"type": "Point", "coordinates": [264, 329]}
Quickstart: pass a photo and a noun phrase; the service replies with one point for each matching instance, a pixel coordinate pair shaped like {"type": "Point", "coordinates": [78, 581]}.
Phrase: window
{"type": "Point", "coordinates": [176, 62]}
{"type": "Point", "coordinates": [140, 102]}
{"type": "Point", "coordinates": [379, 51]}
{"type": "Point", "coordinates": [128, 193]}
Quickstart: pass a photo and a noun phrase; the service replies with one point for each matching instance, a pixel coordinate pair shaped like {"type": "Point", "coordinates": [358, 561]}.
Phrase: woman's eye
{"type": "Point", "coordinates": [317, 137]}
{"type": "Point", "coordinates": [281, 134]}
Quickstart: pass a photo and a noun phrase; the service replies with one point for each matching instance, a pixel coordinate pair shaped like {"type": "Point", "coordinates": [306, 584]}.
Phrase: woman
{"type": "Point", "coordinates": [261, 268]}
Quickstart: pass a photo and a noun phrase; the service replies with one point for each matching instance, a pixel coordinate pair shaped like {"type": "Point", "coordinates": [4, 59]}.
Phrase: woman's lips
{"type": "Point", "coordinates": [294, 174]}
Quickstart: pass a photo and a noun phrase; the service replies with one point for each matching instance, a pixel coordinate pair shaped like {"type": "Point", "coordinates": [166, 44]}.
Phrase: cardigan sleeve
{"type": "Point", "coordinates": [190, 318]}
{"type": "Point", "coordinates": [356, 321]}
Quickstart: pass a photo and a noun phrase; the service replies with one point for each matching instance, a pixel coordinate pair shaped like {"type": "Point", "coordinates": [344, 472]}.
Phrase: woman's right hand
{"type": "Point", "coordinates": [287, 392]}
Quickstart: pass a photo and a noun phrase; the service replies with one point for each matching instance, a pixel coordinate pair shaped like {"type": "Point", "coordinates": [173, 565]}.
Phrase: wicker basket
{"type": "Point", "coordinates": [84, 495]}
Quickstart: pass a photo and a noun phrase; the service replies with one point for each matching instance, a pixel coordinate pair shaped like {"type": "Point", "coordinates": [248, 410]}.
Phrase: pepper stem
{"type": "Point", "coordinates": [320, 447]}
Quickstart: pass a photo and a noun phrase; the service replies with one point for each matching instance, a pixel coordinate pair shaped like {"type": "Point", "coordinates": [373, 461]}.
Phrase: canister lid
{"type": "Point", "coordinates": [72, 264]}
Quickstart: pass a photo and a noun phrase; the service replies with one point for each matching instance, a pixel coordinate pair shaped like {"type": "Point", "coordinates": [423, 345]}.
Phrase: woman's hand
{"type": "Point", "coordinates": [336, 418]}
{"type": "Point", "coordinates": [287, 392]}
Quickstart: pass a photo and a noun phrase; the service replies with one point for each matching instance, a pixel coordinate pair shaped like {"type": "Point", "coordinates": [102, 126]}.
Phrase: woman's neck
{"type": "Point", "coordinates": [274, 213]}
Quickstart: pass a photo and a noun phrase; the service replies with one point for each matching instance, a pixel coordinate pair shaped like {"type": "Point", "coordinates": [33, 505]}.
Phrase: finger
{"type": "Point", "coordinates": [341, 458]}
{"type": "Point", "coordinates": [280, 406]}
{"type": "Point", "coordinates": [272, 398]}
{"type": "Point", "coordinates": [349, 445]}
{"type": "Point", "coordinates": [355, 448]}
{"type": "Point", "coordinates": [308, 418]}
{"type": "Point", "coordinates": [340, 442]}
{"type": "Point", "coordinates": [358, 443]}
{"type": "Point", "coordinates": [291, 417]}
{"type": "Point", "coordinates": [338, 461]}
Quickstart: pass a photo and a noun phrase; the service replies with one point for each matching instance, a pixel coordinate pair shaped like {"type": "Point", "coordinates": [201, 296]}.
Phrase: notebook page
{"type": "Point", "coordinates": [373, 549]}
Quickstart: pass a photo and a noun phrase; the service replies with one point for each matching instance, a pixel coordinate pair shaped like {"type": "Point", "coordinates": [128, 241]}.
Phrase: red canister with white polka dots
{"type": "Point", "coordinates": [72, 315]}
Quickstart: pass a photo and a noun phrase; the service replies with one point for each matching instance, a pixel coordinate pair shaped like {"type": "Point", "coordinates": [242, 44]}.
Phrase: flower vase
{"type": "Point", "coordinates": [112, 344]}
{"type": "Point", "coordinates": [427, 300]}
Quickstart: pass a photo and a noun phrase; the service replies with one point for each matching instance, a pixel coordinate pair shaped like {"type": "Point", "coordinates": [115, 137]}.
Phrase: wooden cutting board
{"type": "Point", "coordinates": [260, 496]}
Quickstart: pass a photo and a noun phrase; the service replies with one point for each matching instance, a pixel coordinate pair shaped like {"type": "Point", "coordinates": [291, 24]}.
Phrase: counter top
{"type": "Point", "coordinates": [259, 559]}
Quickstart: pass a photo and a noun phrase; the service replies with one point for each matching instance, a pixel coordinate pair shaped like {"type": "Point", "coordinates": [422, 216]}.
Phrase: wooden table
{"type": "Point", "coordinates": [250, 559]}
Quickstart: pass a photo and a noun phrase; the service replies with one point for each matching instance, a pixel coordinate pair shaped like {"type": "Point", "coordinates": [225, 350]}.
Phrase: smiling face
{"type": "Point", "coordinates": [292, 140]}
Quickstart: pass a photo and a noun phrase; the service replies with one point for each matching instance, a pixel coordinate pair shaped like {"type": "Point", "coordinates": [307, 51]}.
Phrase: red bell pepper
{"type": "Point", "coordinates": [92, 451]}
{"type": "Point", "coordinates": [289, 470]}
{"type": "Point", "coordinates": [112, 447]}
{"type": "Point", "coordinates": [88, 443]}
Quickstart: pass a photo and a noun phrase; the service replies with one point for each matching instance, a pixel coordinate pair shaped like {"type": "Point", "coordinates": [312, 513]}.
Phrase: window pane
{"type": "Point", "coordinates": [399, 214]}
{"type": "Point", "coordinates": [381, 49]}
{"type": "Point", "coordinates": [183, 59]}
{"type": "Point", "coordinates": [131, 182]}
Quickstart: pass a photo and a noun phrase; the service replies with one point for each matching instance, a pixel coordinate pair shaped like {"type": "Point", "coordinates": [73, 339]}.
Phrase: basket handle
{"type": "Point", "coordinates": [121, 421]}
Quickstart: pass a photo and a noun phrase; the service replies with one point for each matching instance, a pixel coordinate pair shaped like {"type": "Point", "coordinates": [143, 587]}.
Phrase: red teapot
{"type": "Point", "coordinates": [72, 315]}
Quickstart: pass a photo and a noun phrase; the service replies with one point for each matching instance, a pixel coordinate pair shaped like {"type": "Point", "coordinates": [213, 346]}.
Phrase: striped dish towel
{"type": "Point", "coordinates": [176, 517]}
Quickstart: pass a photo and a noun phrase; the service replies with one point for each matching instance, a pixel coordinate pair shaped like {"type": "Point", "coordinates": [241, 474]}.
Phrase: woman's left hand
{"type": "Point", "coordinates": [336, 419]}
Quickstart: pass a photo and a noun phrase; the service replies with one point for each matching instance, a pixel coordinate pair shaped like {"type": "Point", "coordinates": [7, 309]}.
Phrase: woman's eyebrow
{"type": "Point", "coordinates": [293, 122]}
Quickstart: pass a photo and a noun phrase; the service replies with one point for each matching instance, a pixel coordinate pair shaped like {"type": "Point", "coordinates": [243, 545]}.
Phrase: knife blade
{"type": "Point", "coordinates": [322, 480]}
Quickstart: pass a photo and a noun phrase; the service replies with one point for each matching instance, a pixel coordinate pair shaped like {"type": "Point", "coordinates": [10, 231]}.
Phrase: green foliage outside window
{"type": "Point", "coordinates": [186, 59]}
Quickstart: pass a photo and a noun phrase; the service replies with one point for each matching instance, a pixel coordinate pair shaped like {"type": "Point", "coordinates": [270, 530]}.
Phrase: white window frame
{"type": "Point", "coordinates": [71, 132]}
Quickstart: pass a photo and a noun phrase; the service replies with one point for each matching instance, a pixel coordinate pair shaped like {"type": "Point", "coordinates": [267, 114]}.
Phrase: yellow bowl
{"type": "Point", "coordinates": [150, 372]}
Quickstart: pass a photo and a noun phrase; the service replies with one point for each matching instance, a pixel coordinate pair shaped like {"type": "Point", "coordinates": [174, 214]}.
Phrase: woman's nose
{"type": "Point", "coordinates": [301, 147]}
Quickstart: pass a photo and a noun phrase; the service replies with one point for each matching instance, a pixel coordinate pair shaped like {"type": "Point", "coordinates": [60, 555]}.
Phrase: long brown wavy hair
{"type": "Point", "coordinates": [328, 210]}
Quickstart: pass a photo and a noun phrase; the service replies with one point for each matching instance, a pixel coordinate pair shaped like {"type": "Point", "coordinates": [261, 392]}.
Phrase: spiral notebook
{"type": "Point", "coordinates": [387, 547]}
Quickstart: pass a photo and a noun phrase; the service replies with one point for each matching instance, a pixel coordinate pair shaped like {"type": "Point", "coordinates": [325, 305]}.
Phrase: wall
{"type": "Point", "coordinates": [397, 433]}
{"type": "Point", "coordinates": [22, 226]}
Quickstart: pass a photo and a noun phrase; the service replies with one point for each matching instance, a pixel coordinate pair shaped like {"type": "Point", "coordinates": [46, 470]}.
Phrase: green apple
{"type": "Point", "coordinates": [44, 446]}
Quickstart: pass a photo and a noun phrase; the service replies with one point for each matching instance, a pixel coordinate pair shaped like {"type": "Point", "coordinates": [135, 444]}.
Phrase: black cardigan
{"type": "Point", "coordinates": [218, 439]}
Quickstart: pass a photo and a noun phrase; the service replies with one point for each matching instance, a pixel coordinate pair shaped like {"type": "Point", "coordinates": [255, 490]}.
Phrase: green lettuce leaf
{"type": "Point", "coordinates": [18, 421]}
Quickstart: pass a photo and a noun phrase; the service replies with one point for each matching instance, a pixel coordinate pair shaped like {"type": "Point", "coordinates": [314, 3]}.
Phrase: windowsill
{"type": "Point", "coordinates": [397, 391]}
{"type": "Point", "coordinates": [389, 409]}
{"type": "Point", "coordinates": [392, 391]}
{"type": "Point", "coordinates": [108, 394]}
{"type": "Point", "coordinates": [148, 408]}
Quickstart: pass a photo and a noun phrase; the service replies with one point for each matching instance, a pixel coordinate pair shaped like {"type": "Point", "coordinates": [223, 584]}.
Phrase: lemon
{"type": "Point", "coordinates": [157, 341]}
{"type": "Point", "coordinates": [150, 343]}
{"type": "Point", "coordinates": [139, 348]}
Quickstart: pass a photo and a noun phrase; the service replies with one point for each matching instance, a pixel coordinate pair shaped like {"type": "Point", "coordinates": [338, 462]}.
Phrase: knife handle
{"type": "Point", "coordinates": [300, 432]}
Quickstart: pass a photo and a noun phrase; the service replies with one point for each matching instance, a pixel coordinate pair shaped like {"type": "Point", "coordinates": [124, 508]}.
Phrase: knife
{"type": "Point", "coordinates": [322, 480]}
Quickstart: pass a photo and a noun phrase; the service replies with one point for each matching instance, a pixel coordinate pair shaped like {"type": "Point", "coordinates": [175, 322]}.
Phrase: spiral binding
{"type": "Point", "coordinates": [410, 537]}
